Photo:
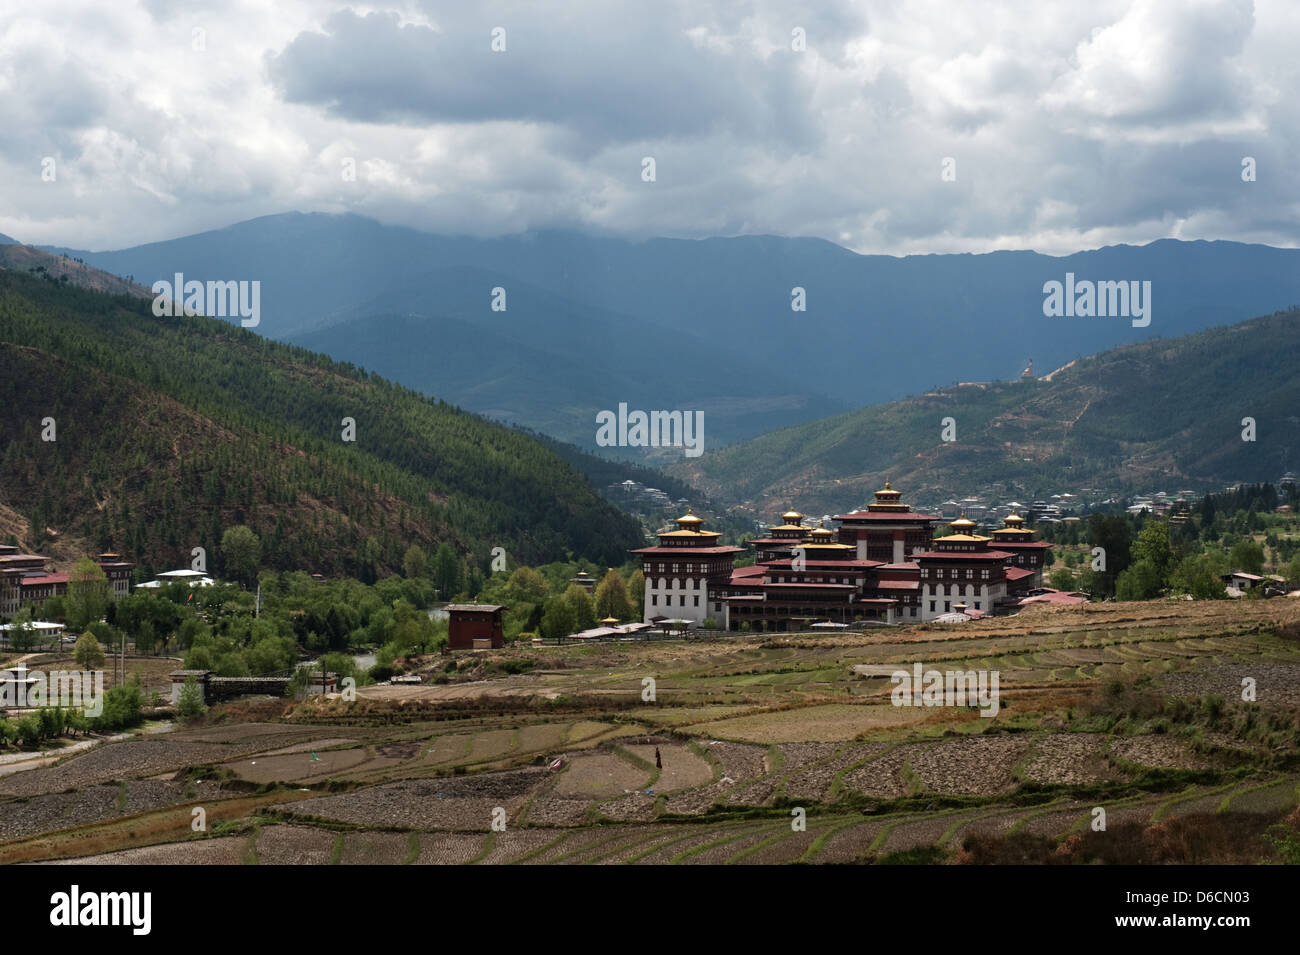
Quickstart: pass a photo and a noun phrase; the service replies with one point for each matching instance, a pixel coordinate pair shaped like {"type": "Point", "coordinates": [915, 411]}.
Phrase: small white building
{"type": "Point", "coordinates": [192, 577]}
{"type": "Point", "coordinates": [46, 632]}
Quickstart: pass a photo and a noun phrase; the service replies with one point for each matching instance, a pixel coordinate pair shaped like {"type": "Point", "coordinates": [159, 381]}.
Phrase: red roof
{"type": "Point", "coordinates": [749, 571]}
{"type": "Point", "coordinates": [1024, 545]}
{"type": "Point", "coordinates": [47, 579]}
{"type": "Point", "coordinates": [820, 586]}
{"type": "Point", "coordinates": [687, 551]}
{"type": "Point", "coordinates": [897, 517]}
{"type": "Point", "coordinates": [898, 585]}
{"type": "Point", "coordinates": [904, 565]}
{"type": "Point", "coordinates": [786, 563]}
{"type": "Point", "coordinates": [1018, 573]}
{"type": "Point", "coordinates": [963, 555]}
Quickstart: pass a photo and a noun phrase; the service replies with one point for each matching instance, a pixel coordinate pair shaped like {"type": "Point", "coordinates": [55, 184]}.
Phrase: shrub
{"type": "Point", "coordinates": [29, 731]}
{"type": "Point", "coordinates": [190, 706]}
{"type": "Point", "coordinates": [121, 708]}
{"type": "Point", "coordinates": [382, 671]}
{"type": "Point", "coordinates": [51, 720]}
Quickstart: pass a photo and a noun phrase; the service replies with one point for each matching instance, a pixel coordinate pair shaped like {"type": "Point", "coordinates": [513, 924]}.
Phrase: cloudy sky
{"type": "Point", "coordinates": [1071, 125]}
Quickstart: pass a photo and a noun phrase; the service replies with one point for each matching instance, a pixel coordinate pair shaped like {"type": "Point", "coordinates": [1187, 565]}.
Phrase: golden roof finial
{"type": "Point", "coordinates": [962, 521]}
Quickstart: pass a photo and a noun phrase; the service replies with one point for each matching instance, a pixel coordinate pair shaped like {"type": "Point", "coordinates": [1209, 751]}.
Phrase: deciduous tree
{"type": "Point", "coordinates": [88, 594]}
{"type": "Point", "coordinates": [611, 597]}
{"type": "Point", "coordinates": [88, 653]}
{"type": "Point", "coordinates": [241, 550]}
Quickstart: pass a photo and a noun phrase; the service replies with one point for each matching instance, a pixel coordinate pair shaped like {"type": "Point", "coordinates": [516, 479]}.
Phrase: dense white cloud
{"type": "Point", "coordinates": [1071, 125]}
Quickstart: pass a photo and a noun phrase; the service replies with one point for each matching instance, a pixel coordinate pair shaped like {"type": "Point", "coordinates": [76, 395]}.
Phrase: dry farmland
{"type": "Point", "coordinates": [1180, 721]}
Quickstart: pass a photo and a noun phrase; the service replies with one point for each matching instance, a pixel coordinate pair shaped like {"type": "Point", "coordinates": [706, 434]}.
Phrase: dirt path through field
{"type": "Point", "coordinates": [18, 762]}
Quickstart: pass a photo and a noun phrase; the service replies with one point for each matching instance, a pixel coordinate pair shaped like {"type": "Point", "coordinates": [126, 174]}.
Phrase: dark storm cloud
{"type": "Point", "coordinates": [605, 73]}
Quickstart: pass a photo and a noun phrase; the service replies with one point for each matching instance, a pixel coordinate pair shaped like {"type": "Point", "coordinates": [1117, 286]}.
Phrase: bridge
{"type": "Point", "coordinates": [218, 688]}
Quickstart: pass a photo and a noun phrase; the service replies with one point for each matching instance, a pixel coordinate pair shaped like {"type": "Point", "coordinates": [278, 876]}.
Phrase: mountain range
{"type": "Point", "coordinates": [1194, 412]}
{"type": "Point", "coordinates": [592, 321]}
{"type": "Point", "coordinates": [153, 435]}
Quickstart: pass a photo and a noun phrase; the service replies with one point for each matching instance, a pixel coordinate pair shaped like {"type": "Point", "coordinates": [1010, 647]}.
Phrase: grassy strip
{"type": "Point", "coordinates": [1192, 792]}
{"type": "Point", "coordinates": [777, 761]}
{"type": "Point", "coordinates": [1227, 800]}
{"type": "Point", "coordinates": [489, 843]}
{"type": "Point", "coordinates": [769, 841]}
{"type": "Point", "coordinates": [948, 834]}
{"type": "Point", "coordinates": [598, 845]}
{"type": "Point", "coordinates": [412, 848]}
{"type": "Point", "coordinates": [655, 848]}
{"type": "Point", "coordinates": [681, 856]}
{"type": "Point", "coordinates": [883, 835]}
{"type": "Point", "coordinates": [822, 838]}
{"type": "Point", "coordinates": [643, 764]}
{"type": "Point", "coordinates": [532, 853]}
{"type": "Point", "coordinates": [649, 838]}
{"type": "Point", "coordinates": [1085, 820]}
{"type": "Point", "coordinates": [611, 846]}
{"type": "Point", "coordinates": [837, 783]}
{"type": "Point", "coordinates": [1054, 806]}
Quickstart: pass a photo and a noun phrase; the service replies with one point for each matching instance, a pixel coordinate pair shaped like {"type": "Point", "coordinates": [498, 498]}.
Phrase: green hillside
{"type": "Point", "coordinates": [169, 430]}
{"type": "Point", "coordinates": [1158, 413]}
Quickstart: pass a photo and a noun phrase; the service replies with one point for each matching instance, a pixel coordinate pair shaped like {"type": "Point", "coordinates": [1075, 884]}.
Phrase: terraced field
{"type": "Point", "coordinates": [754, 751]}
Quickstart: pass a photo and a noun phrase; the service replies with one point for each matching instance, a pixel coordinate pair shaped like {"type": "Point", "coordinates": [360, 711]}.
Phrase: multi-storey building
{"type": "Point", "coordinates": [1028, 555]}
{"type": "Point", "coordinates": [888, 530]}
{"type": "Point", "coordinates": [14, 567]}
{"type": "Point", "coordinates": [884, 564]}
{"type": "Point", "coordinates": [962, 568]}
{"type": "Point", "coordinates": [118, 572]}
{"type": "Point", "coordinates": [685, 572]}
{"type": "Point", "coordinates": [820, 579]}
{"type": "Point", "coordinates": [781, 539]}
{"type": "Point", "coordinates": [24, 579]}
